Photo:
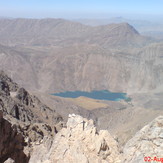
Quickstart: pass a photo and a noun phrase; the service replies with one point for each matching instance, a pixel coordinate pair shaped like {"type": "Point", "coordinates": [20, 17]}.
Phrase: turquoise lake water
{"type": "Point", "coordinates": [99, 95]}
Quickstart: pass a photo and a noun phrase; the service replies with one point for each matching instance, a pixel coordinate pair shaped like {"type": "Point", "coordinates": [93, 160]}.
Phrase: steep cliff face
{"type": "Point", "coordinates": [11, 143]}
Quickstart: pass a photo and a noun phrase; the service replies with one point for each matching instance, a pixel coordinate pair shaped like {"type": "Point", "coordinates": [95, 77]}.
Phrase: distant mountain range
{"type": "Point", "coordinates": [54, 55]}
{"type": "Point", "coordinates": [55, 32]}
{"type": "Point", "coordinates": [149, 28]}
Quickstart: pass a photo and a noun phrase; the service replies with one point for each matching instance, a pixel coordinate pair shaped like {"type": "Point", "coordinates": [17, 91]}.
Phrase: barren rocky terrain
{"type": "Point", "coordinates": [31, 129]}
{"type": "Point", "coordinates": [78, 57]}
{"type": "Point", "coordinates": [46, 56]}
{"type": "Point", "coordinates": [56, 69]}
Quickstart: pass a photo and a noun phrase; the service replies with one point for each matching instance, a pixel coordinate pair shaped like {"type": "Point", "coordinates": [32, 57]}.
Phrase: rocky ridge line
{"type": "Point", "coordinates": [79, 142]}
{"type": "Point", "coordinates": [28, 117]}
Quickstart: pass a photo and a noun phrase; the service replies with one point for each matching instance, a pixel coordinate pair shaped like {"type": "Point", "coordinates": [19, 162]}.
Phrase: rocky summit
{"type": "Point", "coordinates": [79, 142]}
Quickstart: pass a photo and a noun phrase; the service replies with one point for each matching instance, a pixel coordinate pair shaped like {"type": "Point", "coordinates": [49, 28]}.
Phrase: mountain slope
{"type": "Point", "coordinates": [46, 32]}
{"type": "Point", "coordinates": [19, 104]}
{"type": "Point", "coordinates": [54, 55]}
{"type": "Point", "coordinates": [85, 67]}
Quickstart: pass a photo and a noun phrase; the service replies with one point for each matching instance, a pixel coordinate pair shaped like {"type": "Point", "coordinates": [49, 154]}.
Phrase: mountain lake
{"type": "Point", "coordinates": [98, 95]}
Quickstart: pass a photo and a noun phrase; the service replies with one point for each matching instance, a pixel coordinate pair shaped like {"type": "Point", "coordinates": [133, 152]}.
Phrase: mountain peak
{"type": "Point", "coordinates": [129, 27]}
{"type": "Point", "coordinates": [47, 32]}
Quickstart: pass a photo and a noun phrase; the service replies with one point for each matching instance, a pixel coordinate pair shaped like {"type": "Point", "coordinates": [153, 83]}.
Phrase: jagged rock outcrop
{"type": "Point", "coordinates": [80, 142]}
{"type": "Point", "coordinates": [11, 143]}
{"type": "Point", "coordinates": [148, 142]}
{"type": "Point", "coordinates": [23, 106]}
{"type": "Point", "coordinates": [32, 121]}
{"type": "Point", "coordinates": [12, 86]}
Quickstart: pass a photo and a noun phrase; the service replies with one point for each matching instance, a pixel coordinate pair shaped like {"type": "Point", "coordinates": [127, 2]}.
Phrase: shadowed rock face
{"type": "Point", "coordinates": [11, 143]}
{"type": "Point", "coordinates": [12, 86]}
{"type": "Point", "coordinates": [23, 106]}
{"type": "Point", "coordinates": [28, 121]}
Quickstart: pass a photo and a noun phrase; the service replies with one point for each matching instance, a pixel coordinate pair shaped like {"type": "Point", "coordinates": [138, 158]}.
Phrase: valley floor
{"type": "Point", "coordinates": [122, 119]}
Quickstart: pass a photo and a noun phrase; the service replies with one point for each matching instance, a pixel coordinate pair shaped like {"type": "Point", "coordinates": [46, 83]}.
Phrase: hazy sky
{"type": "Point", "coordinates": [80, 8]}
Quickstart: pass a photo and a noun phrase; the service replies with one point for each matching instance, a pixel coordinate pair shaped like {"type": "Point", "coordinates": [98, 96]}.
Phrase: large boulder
{"type": "Point", "coordinates": [147, 144]}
